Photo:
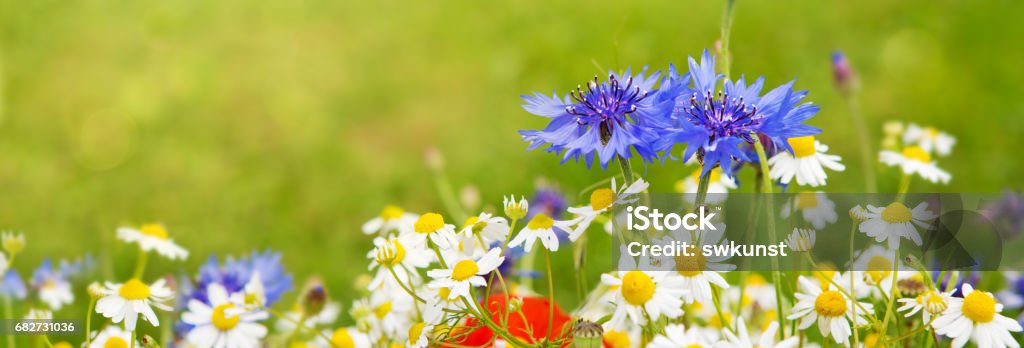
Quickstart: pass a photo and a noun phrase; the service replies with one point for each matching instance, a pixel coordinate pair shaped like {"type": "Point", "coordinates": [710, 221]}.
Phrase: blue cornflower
{"type": "Point", "coordinates": [714, 124]}
{"type": "Point", "coordinates": [52, 284]}
{"type": "Point", "coordinates": [609, 119]}
{"type": "Point", "coordinates": [12, 286]}
{"type": "Point", "coordinates": [234, 274]}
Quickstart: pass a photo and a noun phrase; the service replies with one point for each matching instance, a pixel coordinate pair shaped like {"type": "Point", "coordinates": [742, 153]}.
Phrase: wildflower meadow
{"type": "Point", "coordinates": [703, 174]}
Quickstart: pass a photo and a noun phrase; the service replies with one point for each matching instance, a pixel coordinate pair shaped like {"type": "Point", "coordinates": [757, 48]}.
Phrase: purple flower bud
{"type": "Point", "coordinates": [843, 72]}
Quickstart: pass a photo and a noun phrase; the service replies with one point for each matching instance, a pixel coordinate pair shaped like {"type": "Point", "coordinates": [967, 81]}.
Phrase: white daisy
{"type": "Point", "coordinates": [465, 273]}
{"type": "Point", "coordinates": [383, 314]}
{"type": "Point", "coordinates": [697, 271]}
{"type": "Point", "coordinates": [516, 210]}
{"type": "Point", "coordinates": [915, 160]}
{"type": "Point", "coordinates": [621, 337]}
{"type": "Point", "coordinates": [487, 227]}
{"type": "Point", "coordinates": [896, 221]}
{"type": "Point", "coordinates": [977, 318]}
{"type": "Point", "coordinates": [929, 139]}
{"type": "Point", "coordinates": [112, 336]}
{"type": "Point", "coordinates": [766, 340]}
{"type": "Point", "coordinates": [642, 289]}
{"type": "Point", "coordinates": [603, 200]}
{"type": "Point", "coordinates": [676, 335]}
{"type": "Point", "coordinates": [432, 225]}
{"type": "Point", "coordinates": [153, 237]}
{"type": "Point", "coordinates": [419, 333]}
{"type": "Point", "coordinates": [541, 227]}
{"type": "Point", "coordinates": [931, 304]}
{"type": "Point", "coordinates": [400, 254]}
{"type": "Point", "coordinates": [815, 207]}
{"type": "Point", "coordinates": [223, 322]}
{"type": "Point", "coordinates": [874, 265]}
{"type": "Point", "coordinates": [392, 218]}
{"type": "Point", "coordinates": [718, 187]}
{"type": "Point", "coordinates": [52, 285]}
{"type": "Point", "coordinates": [802, 239]}
{"type": "Point", "coordinates": [807, 163]}
{"type": "Point", "coordinates": [830, 308]}
{"type": "Point", "coordinates": [125, 302]}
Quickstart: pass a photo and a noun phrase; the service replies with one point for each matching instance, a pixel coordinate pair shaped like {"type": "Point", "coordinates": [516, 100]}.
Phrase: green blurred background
{"type": "Point", "coordinates": [287, 124]}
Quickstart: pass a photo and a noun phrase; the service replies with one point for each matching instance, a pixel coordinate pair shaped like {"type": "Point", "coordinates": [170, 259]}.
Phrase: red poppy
{"type": "Point", "coordinates": [534, 309]}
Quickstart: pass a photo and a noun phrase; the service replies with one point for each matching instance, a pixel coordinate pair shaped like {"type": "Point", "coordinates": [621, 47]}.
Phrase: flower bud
{"type": "Point", "coordinates": [515, 304]}
{"type": "Point", "coordinates": [13, 242]}
{"type": "Point", "coordinates": [858, 214]}
{"type": "Point", "coordinates": [314, 300]}
{"type": "Point", "coordinates": [95, 290]}
{"type": "Point", "coordinates": [469, 195]}
{"type": "Point", "coordinates": [845, 78]}
{"type": "Point", "coordinates": [434, 159]}
{"type": "Point", "coordinates": [516, 210]}
{"type": "Point", "coordinates": [387, 254]}
{"type": "Point", "coordinates": [587, 334]}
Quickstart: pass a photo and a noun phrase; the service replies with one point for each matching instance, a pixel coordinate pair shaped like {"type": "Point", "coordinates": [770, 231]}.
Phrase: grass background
{"type": "Point", "coordinates": [287, 124]}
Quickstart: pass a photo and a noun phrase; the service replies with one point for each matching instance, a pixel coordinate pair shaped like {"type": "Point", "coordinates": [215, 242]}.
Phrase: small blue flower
{"type": "Point", "coordinates": [52, 284]}
{"type": "Point", "coordinates": [609, 119]}
{"type": "Point", "coordinates": [714, 125]}
{"type": "Point", "coordinates": [12, 286]}
{"type": "Point", "coordinates": [234, 274]}
{"type": "Point", "coordinates": [548, 201]}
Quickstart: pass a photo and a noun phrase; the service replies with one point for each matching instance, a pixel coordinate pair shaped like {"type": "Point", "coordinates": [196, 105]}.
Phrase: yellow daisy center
{"type": "Point", "coordinates": [617, 339]}
{"type": "Point", "coordinates": [932, 302]}
{"type": "Point", "coordinates": [540, 222]}
{"type": "Point", "coordinates": [443, 293]}
{"type": "Point", "coordinates": [429, 222]}
{"type": "Point", "coordinates": [691, 266]}
{"type": "Point", "coordinates": [897, 213]}
{"type": "Point", "coordinates": [154, 230]}
{"type": "Point", "coordinates": [391, 212]}
{"type": "Point", "coordinates": [342, 339]}
{"type": "Point", "coordinates": [221, 320]}
{"type": "Point", "coordinates": [830, 303]}
{"type": "Point", "coordinates": [879, 267]}
{"type": "Point", "coordinates": [601, 198]}
{"type": "Point", "coordinates": [917, 153]}
{"type": "Point", "coordinates": [134, 289]}
{"type": "Point", "coordinates": [392, 260]}
{"type": "Point", "coordinates": [716, 322]}
{"type": "Point", "coordinates": [464, 270]}
{"type": "Point", "coordinates": [802, 146]}
{"type": "Point", "coordinates": [115, 342]}
{"type": "Point", "coordinates": [637, 287]}
{"type": "Point", "coordinates": [382, 311]}
{"type": "Point", "coordinates": [932, 132]}
{"type": "Point", "coordinates": [979, 307]}
{"type": "Point", "coordinates": [414, 332]}
{"type": "Point", "coordinates": [806, 200]}
{"type": "Point", "coordinates": [62, 345]}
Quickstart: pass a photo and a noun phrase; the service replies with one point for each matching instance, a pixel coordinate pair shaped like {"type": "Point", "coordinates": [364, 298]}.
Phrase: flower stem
{"type": "Point", "coordinates": [627, 170]}
{"type": "Point", "coordinates": [856, 335]}
{"type": "Point", "coordinates": [402, 284]}
{"type": "Point", "coordinates": [88, 321]}
{"type": "Point", "coordinates": [140, 264]}
{"type": "Point", "coordinates": [903, 188]}
{"type": "Point", "coordinates": [551, 294]}
{"type": "Point", "coordinates": [9, 313]}
{"type": "Point", "coordinates": [865, 142]}
{"type": "Point", "coordinates": [726, 29]}
{"type": "Point", "coordinates": [579, 253]}
{"type": "Point", "coordinates": [892, 294]}
{"type": "Point", "coordinates": [766, 188]}
{"type": "Point", "coordinates": [702, 189]}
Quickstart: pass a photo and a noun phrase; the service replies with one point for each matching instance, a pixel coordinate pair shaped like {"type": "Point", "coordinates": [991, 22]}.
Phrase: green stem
{"type": "Point", "coordinates": [88, 321]}
{"type": "Point", "coordinates": [579, 253]}
{"type": "Point", "coordinates": [46, 340]}
{"type": "Point", "coordinates": [551, 294]}
{"type": "Point", "coordinates": [892, 294]}
{"type": "Point", "coordinates": [627, 171]}
{"type": "Point", "coordinates": [904, 187]}
{"type": "Point", "coordinates": [865, 142]}
{"type": "Point", "coordinates": [300, 324]}
{"type": "Point", "coordinates": [726, 29]}
{"type": "Point", "coordinates": [140, 264]}
{"type": "Point", "coordinates": [766, 187]}
{"type": "Point", "coordinates": [402, 284]}
{"type": "Point", "coordinates": [856, 334]}
{"type": "Point", "coordinates": [9, 313]}
{"type": "Point", "coordinates": [702, 189]}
